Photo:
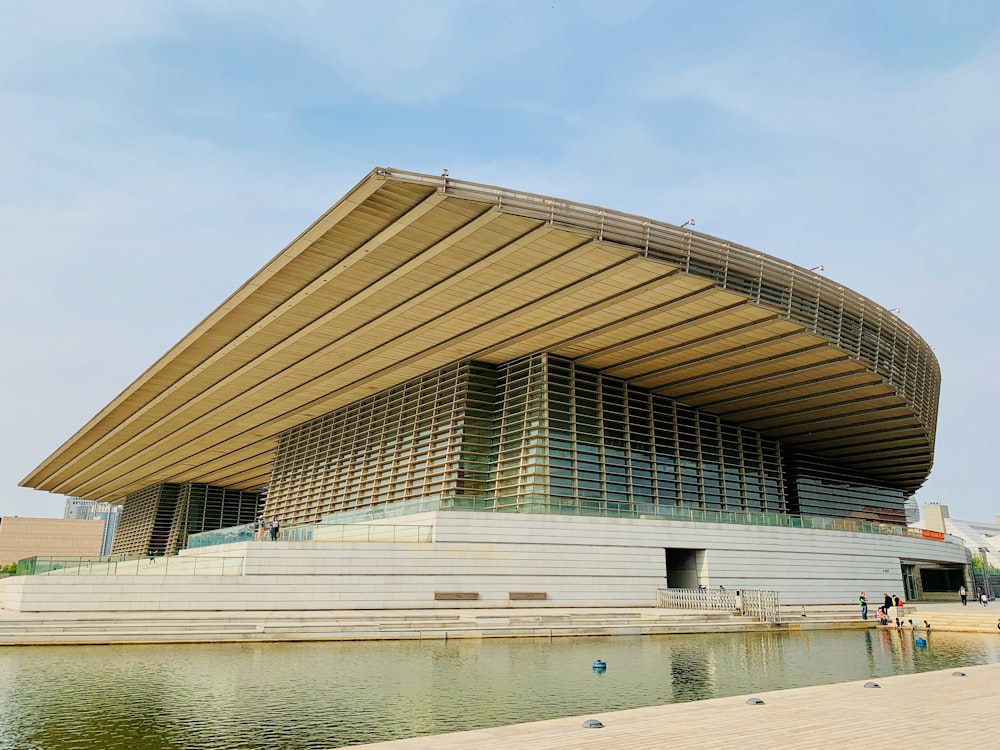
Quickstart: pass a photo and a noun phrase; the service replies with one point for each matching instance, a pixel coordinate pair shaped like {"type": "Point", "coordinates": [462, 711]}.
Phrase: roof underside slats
{"type": "Point", "coordinates": [408, 273]}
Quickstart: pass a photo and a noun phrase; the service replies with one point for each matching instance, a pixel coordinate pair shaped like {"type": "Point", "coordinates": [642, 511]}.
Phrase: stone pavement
{"type": "Point", "coordinates": [929, 710]}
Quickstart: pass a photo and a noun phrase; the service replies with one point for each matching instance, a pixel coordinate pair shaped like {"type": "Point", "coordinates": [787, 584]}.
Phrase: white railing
{"type": "Point", "coordinates": [764, 605]}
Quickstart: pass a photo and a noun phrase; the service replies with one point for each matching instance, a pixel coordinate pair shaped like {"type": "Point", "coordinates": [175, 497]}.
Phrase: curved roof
{"type": "Point", "coordinates": [411, 272]}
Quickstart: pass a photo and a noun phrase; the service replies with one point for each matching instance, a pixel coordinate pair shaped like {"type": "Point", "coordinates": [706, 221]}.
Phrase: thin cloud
{"type": "Point", "coordinates": [153, 155]}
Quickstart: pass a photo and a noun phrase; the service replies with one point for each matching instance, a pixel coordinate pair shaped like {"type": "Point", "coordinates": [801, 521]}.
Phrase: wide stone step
{"type": "Point", "coordinates": [318, 625]}
{"type": "Point", "coordinates": [106, 630]}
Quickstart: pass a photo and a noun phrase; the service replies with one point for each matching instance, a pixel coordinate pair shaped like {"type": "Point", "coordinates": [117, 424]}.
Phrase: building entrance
{"type": "Point", "coordinates": [681, 567]}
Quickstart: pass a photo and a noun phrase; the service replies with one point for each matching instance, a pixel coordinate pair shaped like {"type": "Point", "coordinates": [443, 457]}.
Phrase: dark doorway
{"type": "Point", "coordinates": [681, 567]}
{"type": "Point", "coordinates": [942, 580]}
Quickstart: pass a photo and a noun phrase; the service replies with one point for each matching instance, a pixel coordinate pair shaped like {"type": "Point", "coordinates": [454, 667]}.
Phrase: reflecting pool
{"type": "Point", "coordinates": [323, 695]}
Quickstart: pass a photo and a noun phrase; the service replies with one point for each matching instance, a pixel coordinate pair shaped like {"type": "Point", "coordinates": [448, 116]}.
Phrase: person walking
{"type": "Point", "coordinates": [984, 599]}
{"type": "Point", "coordinates": [963, 595]}
{"type": "Point", "coordinates": [863, 601]}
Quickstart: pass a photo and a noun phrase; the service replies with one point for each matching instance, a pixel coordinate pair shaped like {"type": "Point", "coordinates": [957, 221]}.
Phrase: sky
{"type": "Point", "coordinates": [154, 155]}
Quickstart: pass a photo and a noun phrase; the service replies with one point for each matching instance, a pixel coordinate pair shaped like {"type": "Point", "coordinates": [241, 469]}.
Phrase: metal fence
{"type": "Point", "coordinates": [764, 605]}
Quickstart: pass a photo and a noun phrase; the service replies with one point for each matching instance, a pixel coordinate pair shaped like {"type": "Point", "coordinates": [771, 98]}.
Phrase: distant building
{"type": "Point", "coordinates": [48, 537]}
{"type": "Point", "coordinates": [86, 510]}
{"type": "Point", "coordinates": [980, 537]}
{"type": "Point", "coordinates": [79, 508]}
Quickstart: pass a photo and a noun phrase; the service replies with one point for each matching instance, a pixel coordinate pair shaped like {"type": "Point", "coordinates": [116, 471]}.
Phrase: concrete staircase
{"type": "Point", "coordinates": [974, 618]}
{"type": "Point", "coordinates": [844, 614]}
{"type": "Point", "coordinates": [181, 627]}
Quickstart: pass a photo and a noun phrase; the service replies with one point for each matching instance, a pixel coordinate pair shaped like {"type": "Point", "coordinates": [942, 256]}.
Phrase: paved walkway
{"type": "Point", "coordinates": [956, 606]}
{"type": "Point", "coordinates": [930, 710]}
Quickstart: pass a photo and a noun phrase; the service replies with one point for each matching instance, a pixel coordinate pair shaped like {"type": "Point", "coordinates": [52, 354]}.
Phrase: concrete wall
{"type": "Point", "coordinates": [574, 561]}
{"type": "Point", "coordinates": [48, 537]}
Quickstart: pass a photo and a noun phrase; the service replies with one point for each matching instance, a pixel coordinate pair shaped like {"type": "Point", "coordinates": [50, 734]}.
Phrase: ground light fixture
{"type": "Point", "coordinates": [754, 702]}
{"type": "Point", "coordinates": [592, 724]}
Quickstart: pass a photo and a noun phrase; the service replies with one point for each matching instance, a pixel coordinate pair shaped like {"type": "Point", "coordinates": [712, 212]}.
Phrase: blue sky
{"type": "Point", "coordinates": [154, 155]}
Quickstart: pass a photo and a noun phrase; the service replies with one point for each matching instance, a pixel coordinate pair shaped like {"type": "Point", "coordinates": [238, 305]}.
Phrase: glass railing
{"type": "Point", "coordinates": [409, 507]}
{"type": "Point", "coordinates": [335, 530]}
{"type": "Point", "coordinates": [193, 565]}
{"type": "Point", "coordinates": [373, 532]}
{"type": "Point", "coordinates": [701, 515]}
{"type": "Point", "coordinates": [354, 525]}
{"type": "Point", "coordinates": [626, 510]}
{"type": "Point", "coordinates": [356, 532]}
{"type": "Point", "coordinates": [242, 533]}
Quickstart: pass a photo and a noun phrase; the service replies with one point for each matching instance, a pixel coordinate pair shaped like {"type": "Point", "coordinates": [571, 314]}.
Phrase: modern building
{"type": "Point", "coordinates": [474, 358]}
{"type": "Point", "coordinates": [48, 537]}
{"type": "Point", "coordinates": [107, 513]}
{"type": "Point", "coordinates": [981, 539]}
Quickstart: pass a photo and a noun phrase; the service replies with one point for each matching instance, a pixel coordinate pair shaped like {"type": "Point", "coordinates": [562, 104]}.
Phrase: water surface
{"type": "Point", "coordinates": [302, 696]}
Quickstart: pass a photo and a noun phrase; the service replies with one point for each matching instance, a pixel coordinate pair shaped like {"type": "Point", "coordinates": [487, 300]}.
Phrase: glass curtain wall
{"type": "Point", "coordinates": [821, 488]}
{"type": "Point", "coordinates": [541, 434]}
{"type": "Point", "coordinates": [570, 438]}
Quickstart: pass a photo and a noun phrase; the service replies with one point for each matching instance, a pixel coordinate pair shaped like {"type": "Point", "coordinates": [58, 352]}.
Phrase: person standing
{"type": "Point", "coordinates": [984, 599]}
{"type": "Point", "coordinates": [275, 528]}
{"type": "Point", "coordinates": [963, 595]}
{"type": "Point", "coordinates": [863, 601]}
{"type": "Point", "coordinates": [886, 602]}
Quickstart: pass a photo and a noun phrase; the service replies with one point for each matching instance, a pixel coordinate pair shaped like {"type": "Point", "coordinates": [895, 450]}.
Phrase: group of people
{"type": "Point", "coordinates": [888, 602]}
{"type": "Point", "coordinates": [882, 614]}
{"type": "Point", "coordinates": [981, 595]}
{"type": "Point", "coordinates": [264, 527]}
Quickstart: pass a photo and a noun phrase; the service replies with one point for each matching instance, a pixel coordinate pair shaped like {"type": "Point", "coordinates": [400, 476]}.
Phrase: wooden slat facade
{"type": "Point", "coordinates": [408, 273]}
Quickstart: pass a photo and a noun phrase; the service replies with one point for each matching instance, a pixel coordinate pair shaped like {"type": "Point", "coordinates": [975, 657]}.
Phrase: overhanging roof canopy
{"type": "Point", "coordinates": [410, 272]}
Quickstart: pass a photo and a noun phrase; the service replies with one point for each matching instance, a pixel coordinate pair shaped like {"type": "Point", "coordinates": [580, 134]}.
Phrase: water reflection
{"type": "Point", "coordinates": [324, 695]}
